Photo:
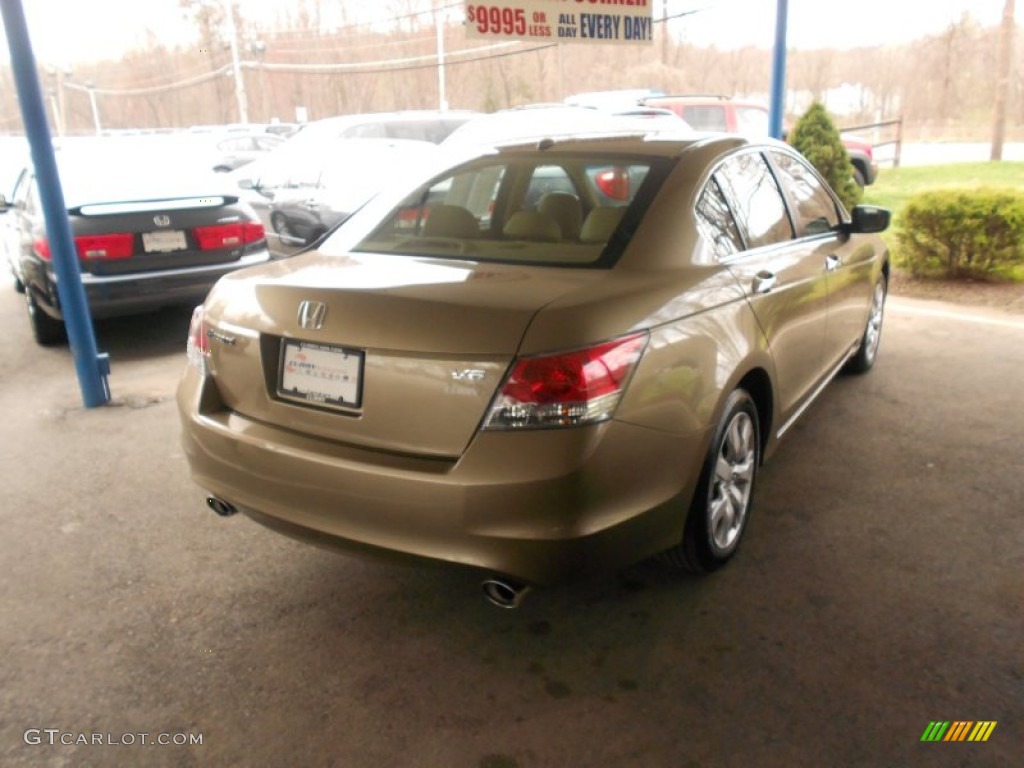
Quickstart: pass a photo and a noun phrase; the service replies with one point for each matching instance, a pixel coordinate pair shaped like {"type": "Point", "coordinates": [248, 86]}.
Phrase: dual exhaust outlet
{"type": "Point", "coordinates": [499, 592]}
{"type": "Point", "coordinates": [221, 507]}
{"type": "Point", "coordinates": [504, 594]}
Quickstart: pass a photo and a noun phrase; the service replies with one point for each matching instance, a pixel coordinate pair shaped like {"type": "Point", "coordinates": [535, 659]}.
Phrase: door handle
{"type": "Point", "coordinates": [764, 281]}
{"type": "Point", "coordinates": [832, 263]}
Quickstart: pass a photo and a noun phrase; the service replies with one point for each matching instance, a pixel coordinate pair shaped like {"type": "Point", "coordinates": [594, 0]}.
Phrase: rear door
{"type": "Point", "coordinates": [784, 280]}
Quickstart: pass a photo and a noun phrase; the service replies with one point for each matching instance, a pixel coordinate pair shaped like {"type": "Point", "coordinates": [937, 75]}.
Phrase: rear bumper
{"type": "Point", "coordinates": [539, 506]}
{"type": "Point", "coordinates": [112, 295]}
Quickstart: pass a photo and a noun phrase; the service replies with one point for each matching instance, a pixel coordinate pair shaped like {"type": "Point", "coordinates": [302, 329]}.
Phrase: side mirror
{"type": "Point", "coordinates": [246, 183]}
{"type": "Point", "coordinates": [869, 218]}
{"type": "Point", "coordinates": [4, 205]}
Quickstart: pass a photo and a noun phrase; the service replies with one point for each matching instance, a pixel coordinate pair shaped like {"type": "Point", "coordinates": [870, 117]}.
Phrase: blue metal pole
{"type": "Point", "coordinates": [92, 367]}
{"type": "Point", "coordinates": [779, 71]}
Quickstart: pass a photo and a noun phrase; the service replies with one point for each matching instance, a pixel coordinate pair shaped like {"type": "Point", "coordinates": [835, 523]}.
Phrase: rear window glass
{"type": "Point", "coordinates": [814, 210]}
{"type": "Point", "coordinates": [541, 210]}
{"type": "Point", "coordinates": [749, 186]}
{"type": "Point", "coordinates": [102, 171]}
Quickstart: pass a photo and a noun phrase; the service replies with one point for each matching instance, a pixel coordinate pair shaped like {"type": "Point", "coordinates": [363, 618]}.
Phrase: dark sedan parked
{"type": "Point", "coordinates": [149, 231]}
{"type": "Point", "coordinates": [345, 174]}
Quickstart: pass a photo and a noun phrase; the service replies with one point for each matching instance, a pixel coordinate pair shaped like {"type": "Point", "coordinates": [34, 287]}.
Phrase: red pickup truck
{"type": "Point", "coordinates": [720, 113]}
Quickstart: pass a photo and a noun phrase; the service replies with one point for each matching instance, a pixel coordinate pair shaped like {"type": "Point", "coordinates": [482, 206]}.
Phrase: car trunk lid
{"type": "Point", "coordinates": [150, 235]}
{"type": "Point", "coordinates": [393, 353]}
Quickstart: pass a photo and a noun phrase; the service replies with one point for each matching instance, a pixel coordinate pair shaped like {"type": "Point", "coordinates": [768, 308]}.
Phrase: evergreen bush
{"type": "Point", "coordinates": [963, 233]}
{"type": "Point", "coordinates": [816, 138]}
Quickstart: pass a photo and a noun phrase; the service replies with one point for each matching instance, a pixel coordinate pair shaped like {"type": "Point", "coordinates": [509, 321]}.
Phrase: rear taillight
{"type": "Point", "coordinates": [613, 183]}
{"type": "Point", "coordinates": [567, 390]}
{"type": "Point", "coordinates": [228, 235]}
{"type": "Point", "coordinates": [118, 245]}
{"type": "Point", "coordinates": [198, 346]}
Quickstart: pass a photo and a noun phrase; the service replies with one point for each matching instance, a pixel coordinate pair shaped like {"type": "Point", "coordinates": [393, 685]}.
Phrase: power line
{"type": "Point", "coordinates": [387, 65]}
{"type": "Point", "coordinates": [197, 80]}
{"type": "Point", "coordinates": [307, 51]}
{"type": "Point", "coordinates": [426, 61]}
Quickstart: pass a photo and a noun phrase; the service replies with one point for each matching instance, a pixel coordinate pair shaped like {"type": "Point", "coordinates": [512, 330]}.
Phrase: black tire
{"type": "Point", "coordinates": [18, 285]}
{"type": "Point", "coordinates": [864, 360]}
{"type": "Point", "coordinates": [721, 505]}
{"type": "Point", "coordinates": [46, 330]}
{"type": "Point", "coordinates": [858, 177]}
{"type": "Point", "coordinates": [279, 224]}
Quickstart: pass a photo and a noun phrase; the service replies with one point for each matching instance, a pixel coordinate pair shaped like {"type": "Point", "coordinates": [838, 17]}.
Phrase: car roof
{"type": "Point", "coordinates": [708, 98]}
{"type": "Point", "coordinates": [409, 115]}
{"type": "Point", "coordinates": [643, 145]}
{"type": "Point", "coordinates": [536, 122]}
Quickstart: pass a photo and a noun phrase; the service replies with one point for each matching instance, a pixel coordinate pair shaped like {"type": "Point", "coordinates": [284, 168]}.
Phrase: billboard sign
{"type": "Point", "coordinates": [562, 21]}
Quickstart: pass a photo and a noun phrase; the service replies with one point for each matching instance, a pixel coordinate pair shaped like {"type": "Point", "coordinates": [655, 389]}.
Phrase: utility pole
{"type": "Point", "coordinates": [442, 95]}
{"type": "Point", "coordinates": [664, 32]}
{"type": "Point", "coordinates": [1002, 80]}
{"type": "Point", "coordinates": [236, 65]}
{"type": "Point", "coordinates": [89, 88]}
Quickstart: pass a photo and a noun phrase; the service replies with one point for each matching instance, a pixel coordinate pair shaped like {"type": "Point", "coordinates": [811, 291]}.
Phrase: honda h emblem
{"type": "Point", "coordinates": [161, 220]}
{"type": "Point", "coordinates": [311, 315]}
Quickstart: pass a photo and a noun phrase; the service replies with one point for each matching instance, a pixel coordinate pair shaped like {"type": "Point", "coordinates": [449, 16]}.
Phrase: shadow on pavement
{"type": "Point", "coordinates": [140, 337]}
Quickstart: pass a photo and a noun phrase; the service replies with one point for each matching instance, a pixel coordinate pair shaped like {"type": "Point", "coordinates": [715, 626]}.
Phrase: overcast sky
{"type": "Point", "coordinates": [66, 31]}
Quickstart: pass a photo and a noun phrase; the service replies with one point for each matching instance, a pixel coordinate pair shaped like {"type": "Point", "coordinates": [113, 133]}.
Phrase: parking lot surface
{"type": "Point", "coordinates": [879, 589]}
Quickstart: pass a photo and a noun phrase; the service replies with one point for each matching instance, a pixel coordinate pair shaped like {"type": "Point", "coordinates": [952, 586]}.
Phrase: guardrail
{"type": "Point", "coordinates": [877, 129]}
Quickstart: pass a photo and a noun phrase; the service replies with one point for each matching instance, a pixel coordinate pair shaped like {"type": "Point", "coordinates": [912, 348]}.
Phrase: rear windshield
{"type": "Point", "coordinates": [539, 209]}
{"type": "Point", "coordinates": [111, 170]}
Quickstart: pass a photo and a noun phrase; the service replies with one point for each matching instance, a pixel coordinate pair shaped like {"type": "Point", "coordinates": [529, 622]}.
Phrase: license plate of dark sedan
{"type": "Point", "coordinates": [162, 242]}
{"type": "Point", "coordinates": [320, 374]}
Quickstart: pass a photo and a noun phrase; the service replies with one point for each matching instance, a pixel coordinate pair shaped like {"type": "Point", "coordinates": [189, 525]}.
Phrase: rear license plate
{"type": "Point", "coordinates": [320, 374]}
{"type": "Point", "coordinates": [162, 242]}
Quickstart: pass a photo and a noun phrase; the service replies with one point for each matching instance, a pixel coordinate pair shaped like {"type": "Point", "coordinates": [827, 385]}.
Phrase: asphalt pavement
{"type": "Point", "coordinates": [880, 589]}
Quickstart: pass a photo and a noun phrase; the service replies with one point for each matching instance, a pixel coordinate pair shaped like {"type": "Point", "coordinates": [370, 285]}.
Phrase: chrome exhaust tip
{"type": "Point", "coordinates": [504, 594]}
{"type": "Point", "coordinates": [221, 507]}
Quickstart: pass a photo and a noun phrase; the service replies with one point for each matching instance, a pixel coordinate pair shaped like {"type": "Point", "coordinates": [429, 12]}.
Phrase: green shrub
{"type": "Point", "coordinates": [963, 233]}
{"type": "Point", "coordinates": [816, 138]}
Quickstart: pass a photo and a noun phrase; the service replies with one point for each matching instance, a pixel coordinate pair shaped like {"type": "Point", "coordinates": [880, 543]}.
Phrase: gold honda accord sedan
{"type": "Point", "coordinates": [540, 361]}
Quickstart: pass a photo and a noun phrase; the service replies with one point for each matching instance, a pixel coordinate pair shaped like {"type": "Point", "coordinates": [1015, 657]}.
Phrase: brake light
{"type": "Point", "coordinates": [198, 347]}
{"type": "Point", "coordinates": [116, 245]}
{"type": "Point", "coordinates": [228, 235]}
{"type": "Point", "coordinates": [613, 183]}
{"type": "Point", "coordinates": [567, 390]}
{"type": "Point", "coordinates": [119, 245]}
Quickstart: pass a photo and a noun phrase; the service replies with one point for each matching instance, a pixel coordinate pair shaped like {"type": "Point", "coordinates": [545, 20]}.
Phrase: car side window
{"type": "Point", "coordinates": [753, 194]}
{"type": "Point", "coordinates": [716, 223]}
{"type": "Point", "coordinates": [815, 211]}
